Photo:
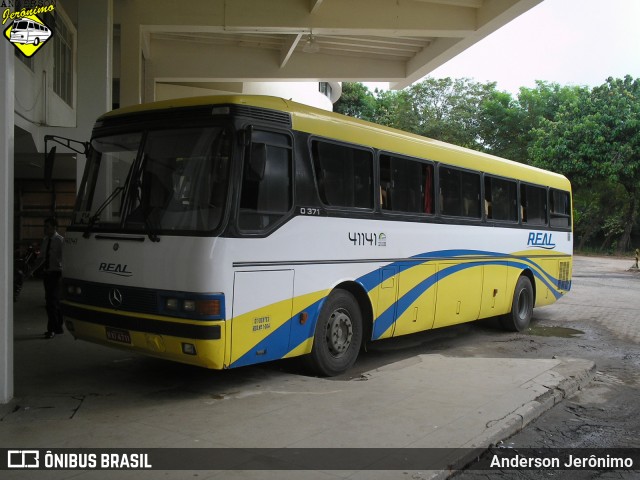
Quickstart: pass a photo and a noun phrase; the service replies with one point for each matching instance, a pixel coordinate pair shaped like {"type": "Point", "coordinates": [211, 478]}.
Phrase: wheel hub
{"type": "Point", "coordinates": [339, 332]}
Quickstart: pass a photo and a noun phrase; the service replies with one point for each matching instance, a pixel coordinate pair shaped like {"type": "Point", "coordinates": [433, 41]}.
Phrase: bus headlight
{"type": "Point", "coordinates": [172, 304]}
{"type": "Point", "coordinates": [74, 290]}
{"type": "Point", "coordinates": [189, 305]}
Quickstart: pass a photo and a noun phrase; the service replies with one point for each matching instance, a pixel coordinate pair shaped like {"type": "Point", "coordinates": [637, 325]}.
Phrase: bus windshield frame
{"type": "Point", "coordinates": [156, 180]}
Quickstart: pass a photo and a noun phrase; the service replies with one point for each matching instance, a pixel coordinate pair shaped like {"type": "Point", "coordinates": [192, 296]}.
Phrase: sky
{"type": "Point", "coordinates": [570, 42]}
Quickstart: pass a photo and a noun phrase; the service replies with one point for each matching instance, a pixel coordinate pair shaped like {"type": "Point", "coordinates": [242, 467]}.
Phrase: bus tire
{"type": "Point", "coordinates": [338, 335]}
{"type": "Point", "coordinates": [521, 307]}
{"type": "Point", "coordinates": [36, 42]}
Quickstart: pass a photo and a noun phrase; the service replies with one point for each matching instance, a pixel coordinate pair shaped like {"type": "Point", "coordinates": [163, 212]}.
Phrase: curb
{"type": "Point", "coordinates": [572, 375]}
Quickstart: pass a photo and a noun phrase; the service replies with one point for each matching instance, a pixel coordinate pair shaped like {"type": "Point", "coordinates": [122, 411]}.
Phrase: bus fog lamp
{"type": "Point", "coordinates": [189, 349]}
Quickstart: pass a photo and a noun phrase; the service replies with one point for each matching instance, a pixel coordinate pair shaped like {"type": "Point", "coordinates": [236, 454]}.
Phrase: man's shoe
{"type": "Point", "coordinates": [49, 335]}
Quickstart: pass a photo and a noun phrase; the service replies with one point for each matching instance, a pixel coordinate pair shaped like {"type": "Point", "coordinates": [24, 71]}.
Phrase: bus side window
{"type": "Point", "coordinates": [406, 185]}
{"type": "Point", "coordinates": [560, 208]}
{"type": "Point", "coordinates": [344, 174]}
{"type": "Point", "coordinates": [459, 192]}
{"type": "Point", "coordinates": [533, 201]}
{"type": "Point", "coordinates": [266, 191]}
{"type": "Point", "coordinates": [500, 199]}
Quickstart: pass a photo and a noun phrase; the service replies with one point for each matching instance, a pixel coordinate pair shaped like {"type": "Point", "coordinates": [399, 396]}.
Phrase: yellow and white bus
{"type": "Point", "coordinates": [231, 230]}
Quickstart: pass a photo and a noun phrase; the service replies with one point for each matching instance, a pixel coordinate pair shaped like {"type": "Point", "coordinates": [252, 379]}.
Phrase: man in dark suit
{"type": "Point", "coordinates": [51, 259]}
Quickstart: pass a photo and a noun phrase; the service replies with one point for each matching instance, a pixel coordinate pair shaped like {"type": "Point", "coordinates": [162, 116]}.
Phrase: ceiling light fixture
{"type": "Point", "coordinates": [311, 45]}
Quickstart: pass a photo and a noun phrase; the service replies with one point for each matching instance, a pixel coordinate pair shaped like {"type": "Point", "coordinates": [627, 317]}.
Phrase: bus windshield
{"type": "Point", "coordinates": [165, 180]}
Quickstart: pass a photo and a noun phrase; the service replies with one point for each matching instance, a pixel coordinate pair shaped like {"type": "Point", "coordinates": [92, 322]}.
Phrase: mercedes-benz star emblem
{"type": "Point", "coordinates": [115, 297]}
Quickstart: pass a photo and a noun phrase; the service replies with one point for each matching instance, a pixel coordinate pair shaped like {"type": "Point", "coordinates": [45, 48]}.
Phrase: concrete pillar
{"type": "Point", "coordinates": [7, 83]}
{"type": "Point", "coordinates": [95, 54]}
{"type": "Point", "coordinates": [130, 64]}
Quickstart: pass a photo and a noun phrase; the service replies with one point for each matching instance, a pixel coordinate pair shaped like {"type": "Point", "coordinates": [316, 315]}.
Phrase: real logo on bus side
{"type": "Point", "coordinates": [541, 240]}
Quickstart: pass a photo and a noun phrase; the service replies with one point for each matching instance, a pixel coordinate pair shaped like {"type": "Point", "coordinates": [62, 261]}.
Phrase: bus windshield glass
{"type": "Point", "coordinates": [165, 180]}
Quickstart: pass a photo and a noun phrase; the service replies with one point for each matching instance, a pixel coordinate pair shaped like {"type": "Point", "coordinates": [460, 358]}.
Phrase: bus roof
{"type": "Point", "coordinates": [348, 129]}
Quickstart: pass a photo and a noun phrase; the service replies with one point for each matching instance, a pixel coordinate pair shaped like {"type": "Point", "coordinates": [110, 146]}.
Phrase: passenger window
{"type": "Point", "coordinates": [500, 199]}
{"type": "Point", "coordinates": [560, 208]}
{"type": "Point", "coordinates": [459, 192]}
{"type": "Point", "coordinates": [406, 185]}
{"type": "Point", "coordinates": [267, 181]}
{"type": "Point", "coordinates": [533, 204]}
{"type": "Point", "coordinates": [344, 174]}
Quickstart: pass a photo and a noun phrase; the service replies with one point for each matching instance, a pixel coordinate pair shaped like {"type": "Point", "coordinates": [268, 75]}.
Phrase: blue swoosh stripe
{"type": "Point", "coordinates": [287, 336]}
{"type": "Point", "coordinates": [372, 279]}
{"type": "Point", "coordinates": [293, 335]}
{"type": "Point", "coordinates": [389, 316]}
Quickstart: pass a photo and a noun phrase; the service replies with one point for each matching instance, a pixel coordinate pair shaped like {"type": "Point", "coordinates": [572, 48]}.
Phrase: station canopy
{"type": "Point", "coordinates": [214, 43]}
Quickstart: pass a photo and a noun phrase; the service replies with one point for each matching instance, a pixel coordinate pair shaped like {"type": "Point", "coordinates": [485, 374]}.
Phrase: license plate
{"type": "Point", "coordinates": [117, 335]}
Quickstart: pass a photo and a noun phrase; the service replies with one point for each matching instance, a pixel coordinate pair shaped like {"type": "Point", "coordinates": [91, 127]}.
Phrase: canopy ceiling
{"type": "Point", "coordinates": [203, 42]}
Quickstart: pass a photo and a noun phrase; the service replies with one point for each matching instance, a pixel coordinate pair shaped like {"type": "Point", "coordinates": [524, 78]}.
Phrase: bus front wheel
{"type": "Point", "coordinates": [338, 335]}
{"type": "Point", "coordinates": [521, 308]}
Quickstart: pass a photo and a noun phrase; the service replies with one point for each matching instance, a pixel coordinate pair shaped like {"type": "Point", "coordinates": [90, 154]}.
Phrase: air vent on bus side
{"type": "Point", "coordinates": [564, 281]}
{"type": "Point", "coordinates": [266, 115]}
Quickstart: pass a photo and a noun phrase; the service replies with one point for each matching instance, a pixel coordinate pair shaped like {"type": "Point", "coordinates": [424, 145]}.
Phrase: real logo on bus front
{"type": "Point", "coordinates": [25, 28]}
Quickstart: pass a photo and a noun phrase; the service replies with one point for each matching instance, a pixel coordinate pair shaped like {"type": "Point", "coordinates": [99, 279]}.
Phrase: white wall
{"type": "Point", "coordinates": [37, 106]}
{"type": "Point", "coordinates": [302, 92]}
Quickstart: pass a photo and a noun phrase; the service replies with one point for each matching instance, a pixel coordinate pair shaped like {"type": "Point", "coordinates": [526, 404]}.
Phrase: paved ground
{"type": "Point", "coordinates": [73, 394]}
{"type": "Point", "coordinates": [598, 321]}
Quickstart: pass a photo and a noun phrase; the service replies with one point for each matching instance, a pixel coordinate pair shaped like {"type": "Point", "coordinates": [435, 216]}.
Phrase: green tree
{"type": "Point", "coordinates": [448, 110]}
{"type": "Point", "coordinates": [507, 124]}
{"type": "Point", "coordinates": [597, 213]}
{"type": "Point", "coordinates": [595, 137]}
{"type": "Point", "coordinates": [394, 109]}
{"type": "Point", "coordinates": [356, 101]}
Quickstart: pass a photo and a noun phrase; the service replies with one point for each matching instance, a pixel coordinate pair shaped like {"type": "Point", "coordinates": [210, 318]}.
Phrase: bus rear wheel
{"type": "Point", "coordinates": [338, 335]}
{"type": "Point", "coordinates": [521, 307]}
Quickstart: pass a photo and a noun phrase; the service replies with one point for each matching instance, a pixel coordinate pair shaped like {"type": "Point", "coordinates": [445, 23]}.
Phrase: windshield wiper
{"type": "Point", "coordinates": [130, 196]}
{"type": "Point", "coordinates": [145, 214]}
{"type": "Point", "coordinates": [153, 236]}
{"type": "Point", "coordinates": [96, 216]}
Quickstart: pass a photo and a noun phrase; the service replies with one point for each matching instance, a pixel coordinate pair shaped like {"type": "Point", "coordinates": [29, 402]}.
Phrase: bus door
{"type": "Point", "coordinates": [262, 308]}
